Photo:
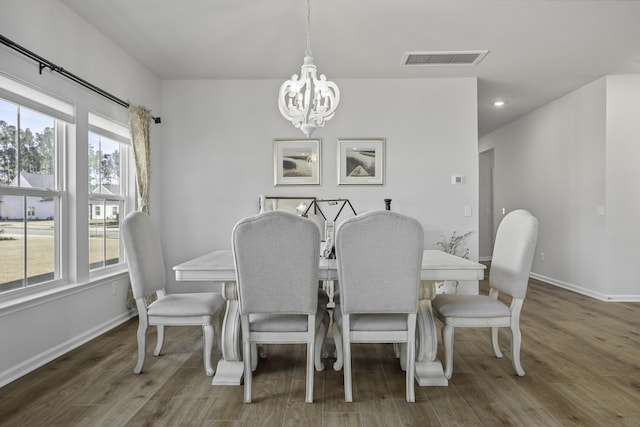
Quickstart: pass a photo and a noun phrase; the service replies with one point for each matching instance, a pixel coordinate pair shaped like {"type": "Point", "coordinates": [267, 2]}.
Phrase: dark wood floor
{"type": "Point", "coordinates": [581, 357]}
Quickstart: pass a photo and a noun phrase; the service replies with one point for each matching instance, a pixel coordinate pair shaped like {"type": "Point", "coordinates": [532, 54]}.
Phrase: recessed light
{"type": "Point", "coordinates": [499, 103]}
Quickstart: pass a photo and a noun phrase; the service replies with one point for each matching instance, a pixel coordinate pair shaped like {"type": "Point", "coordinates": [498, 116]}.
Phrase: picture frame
{"type": "Point", "coordinates": [361, 161]}
{"type": "Point", "coordinates": [296, 161]}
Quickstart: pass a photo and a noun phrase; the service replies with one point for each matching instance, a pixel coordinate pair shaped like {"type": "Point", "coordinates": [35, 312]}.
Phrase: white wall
{"type": "Point", "coordinates": [485, 213]}
{"type": "Point", "coordinates": [568, 162]}
{"type": "Point", "coordinates": [623, 186]}
{"type": "Point", "coordinates": [35, 330]}
{"type": "Point", "coordinates": [217, 155]}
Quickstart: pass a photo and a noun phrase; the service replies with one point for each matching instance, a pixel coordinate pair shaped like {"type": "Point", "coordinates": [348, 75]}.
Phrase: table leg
{"type": "Point", "coordinates": [429, 371]}
{"type": "Point", "coordinates": [230, 367]}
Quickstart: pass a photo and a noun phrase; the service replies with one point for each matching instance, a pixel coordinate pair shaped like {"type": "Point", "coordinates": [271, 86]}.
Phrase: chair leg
{"type": "Point", "coordinates": [246, 357]}
{"type": "Point", "coordinates": [409, 374]}
{"type": "Point", "coordinates": [160, 342]}
{"type": "Point", "coordinates": [142, 345]}
{"type": "Point", "coordinates": [320, 337]}
{"type": "Point", "coordinates": [337, 338]}
{"type": "Point", "coordinates": [516, 340]}
{"type": "Point", "coordinates": [494, 342]}
{"type": "Point", "coordinates": [346, 349]}
{"type": "Point", "coordinates": [447, 341]}
{"type": "Point", "coordinates": [207, 346]}
{"type": "Point", "coordinates": [310, 370]}
{"type": "Point", "coordinates": [411, 362]}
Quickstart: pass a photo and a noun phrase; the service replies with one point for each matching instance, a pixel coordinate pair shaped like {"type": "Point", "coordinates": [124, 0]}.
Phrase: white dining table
{"type": "Point", "coordinates": [218, 267]}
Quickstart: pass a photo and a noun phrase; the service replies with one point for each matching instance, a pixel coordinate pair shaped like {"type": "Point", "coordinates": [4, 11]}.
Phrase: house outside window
{"type": "Point", "coordinates": [30, 196]}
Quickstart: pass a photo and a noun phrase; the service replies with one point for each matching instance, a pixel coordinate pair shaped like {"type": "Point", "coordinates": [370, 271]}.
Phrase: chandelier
{"type": "Point", "coordinates": [306, 101]}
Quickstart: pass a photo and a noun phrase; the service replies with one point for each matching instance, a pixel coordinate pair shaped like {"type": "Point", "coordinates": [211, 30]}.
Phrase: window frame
{"type": "Point", "coordinates": [73, 124]}
{"type": "Point", "coordinates": [116, 132]}
{"type": "Point", "coordinates": [57, 194]}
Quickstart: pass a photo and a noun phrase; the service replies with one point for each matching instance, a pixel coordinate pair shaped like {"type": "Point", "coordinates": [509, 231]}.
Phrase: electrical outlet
{"type": "Point", "coordinates": [541, 256]}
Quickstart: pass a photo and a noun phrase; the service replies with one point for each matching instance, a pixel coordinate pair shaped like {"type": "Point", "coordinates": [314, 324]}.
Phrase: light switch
{"type": "Point", "coordinates": [467, 211]}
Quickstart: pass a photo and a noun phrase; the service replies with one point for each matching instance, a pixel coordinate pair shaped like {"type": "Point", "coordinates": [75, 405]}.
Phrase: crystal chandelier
{"type": "Point", "coordinates": [306, 101]}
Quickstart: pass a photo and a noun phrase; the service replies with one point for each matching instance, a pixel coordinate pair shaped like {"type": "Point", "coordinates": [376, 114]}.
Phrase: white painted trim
{"type": "Point", "coordinates": [10, 303]}
{"type": "Point", "coordinates": [584, 291]}
{"type": "Point", "coordinates": [41, 359]}
{"type": "Point", "coordinates": [579, 289]}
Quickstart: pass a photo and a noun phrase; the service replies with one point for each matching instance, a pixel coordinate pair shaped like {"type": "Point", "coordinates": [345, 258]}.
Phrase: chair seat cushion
{"type": "Point", "coordinates": [372, 322]}
{"type": "Point", "coordinates": [266, 322]}
{"type": "Point", "coordinates": [195, 304]}
{"type": "Point", "coordinates": [450, 305]}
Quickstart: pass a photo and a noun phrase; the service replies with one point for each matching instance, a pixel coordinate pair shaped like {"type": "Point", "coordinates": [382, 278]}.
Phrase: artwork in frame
{"type": "Point", "coordinates": [361, 161]}
{"type": "Point", "coordinates": [296, 161]}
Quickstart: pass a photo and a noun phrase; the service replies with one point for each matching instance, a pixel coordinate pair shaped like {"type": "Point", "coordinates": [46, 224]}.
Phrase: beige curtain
{"type": "Point", "coordinates": [139, 118]}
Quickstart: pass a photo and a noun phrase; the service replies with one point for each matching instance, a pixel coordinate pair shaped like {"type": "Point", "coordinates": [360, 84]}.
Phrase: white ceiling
{"type": "Point", "coordinates": [538, 50]}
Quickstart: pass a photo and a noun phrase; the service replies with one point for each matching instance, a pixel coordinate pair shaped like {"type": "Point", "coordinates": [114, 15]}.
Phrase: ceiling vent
{"type": "Point", "coordinates": [444, 58]}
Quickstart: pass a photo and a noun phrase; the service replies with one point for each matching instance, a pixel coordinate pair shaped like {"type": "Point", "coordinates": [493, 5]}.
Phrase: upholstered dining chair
{"type": "Point", "coordinates": [147, 274]}
{"type": "Point", "coordinates": [379, 256]}
{"type": "Point", "coordinates": [276, 257]}
{"type": "Point", "coordinates": [509, 275]}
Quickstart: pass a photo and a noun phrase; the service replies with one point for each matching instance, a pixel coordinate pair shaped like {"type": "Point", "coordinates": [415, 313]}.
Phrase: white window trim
{"type": "Point", "coordinates": [118, 132]}
{"type": "Point", "coordinates": [26, 95]}
{"type": "Point", "coordinates": [37, 99]}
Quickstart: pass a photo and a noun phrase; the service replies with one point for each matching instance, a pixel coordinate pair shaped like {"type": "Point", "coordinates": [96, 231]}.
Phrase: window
{"type": "Point", "coordinates": [42, 241]}
{"type": "Point", "coordinates": [30, 196]}
{"type": "Point", "coordinates": [108, 159]}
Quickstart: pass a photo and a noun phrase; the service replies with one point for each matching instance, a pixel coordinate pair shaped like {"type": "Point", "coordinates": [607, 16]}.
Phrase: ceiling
{"type": "Point", "coordinates": [538, 50]}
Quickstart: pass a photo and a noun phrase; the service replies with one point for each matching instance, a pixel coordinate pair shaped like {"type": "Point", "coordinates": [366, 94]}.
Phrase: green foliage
{"type": "Point", "coordinates": [34, 152]}
{"type": "Point", "coordinates": [104, 168]}
{"type": "Point", "coordinates": [456, 244]}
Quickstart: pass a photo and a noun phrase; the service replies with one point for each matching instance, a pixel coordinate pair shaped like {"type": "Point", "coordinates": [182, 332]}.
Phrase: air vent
{"type": "Point", "coordinates": [443, 58]}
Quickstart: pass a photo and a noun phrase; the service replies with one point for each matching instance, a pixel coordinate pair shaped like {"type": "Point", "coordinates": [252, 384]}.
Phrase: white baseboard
{"type": "Point", "coordinates": [584, 291]}
{"type": "Point", "coordinates": [578, 289]}
{"type": "Point", "coordinates": [41, 359]}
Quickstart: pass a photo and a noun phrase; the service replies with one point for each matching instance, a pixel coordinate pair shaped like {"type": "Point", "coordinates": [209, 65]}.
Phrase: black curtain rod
{"type": "Point", "coordinates": [44, 63]}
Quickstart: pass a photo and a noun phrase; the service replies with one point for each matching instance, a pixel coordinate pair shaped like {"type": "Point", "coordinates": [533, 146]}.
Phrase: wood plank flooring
{"type": "Point", "coordinates": [581, 357]}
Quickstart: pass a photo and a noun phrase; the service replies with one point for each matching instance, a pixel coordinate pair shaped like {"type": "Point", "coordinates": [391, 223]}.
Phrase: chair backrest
{"type": "Point", "coordinates": [379, 255]}
{"type": "Point", "coordinates": [144, 254]}
{"type": "Point", "coordinates": [513, 253]}
{"type": "Point", "coordinates": [276, 257]}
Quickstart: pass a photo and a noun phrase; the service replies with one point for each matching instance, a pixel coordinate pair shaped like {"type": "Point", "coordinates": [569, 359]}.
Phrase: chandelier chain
{"type": "Point", "coordinates": [308, 51]}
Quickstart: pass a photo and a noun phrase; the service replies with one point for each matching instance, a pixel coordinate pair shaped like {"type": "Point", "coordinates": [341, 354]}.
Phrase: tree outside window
{"type": "Point", "coordinates": [29, 196]}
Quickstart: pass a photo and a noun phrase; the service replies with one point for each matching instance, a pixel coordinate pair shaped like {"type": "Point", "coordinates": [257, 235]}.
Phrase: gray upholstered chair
{"type": "Point", "coordinates": [147, 273]}
{"type": "Point", "coordinates": [276, 256]}
{"type": "Point", "coordinates": [510, 267]}
{"type": "Point", "coordinates": [379, 257]}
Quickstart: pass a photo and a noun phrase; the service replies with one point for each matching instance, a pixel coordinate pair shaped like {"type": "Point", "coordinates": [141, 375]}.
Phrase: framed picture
{"type": "Point", "coordinates": [361, 161]}
{"type": "Point", "coordinates": [296, 161]}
